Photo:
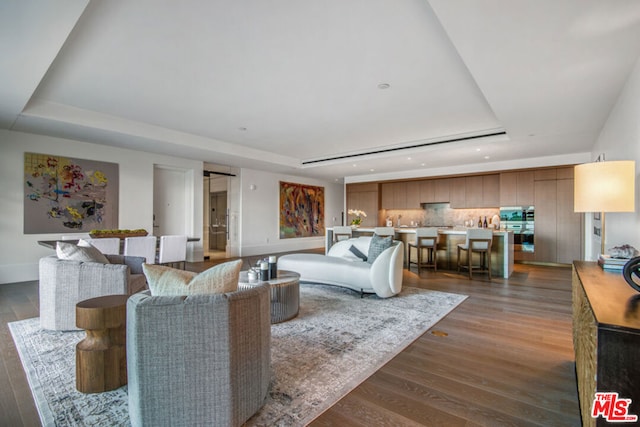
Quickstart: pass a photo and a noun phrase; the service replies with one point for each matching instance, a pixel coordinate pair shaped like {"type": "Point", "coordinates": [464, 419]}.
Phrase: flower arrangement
{"type": "Point", "coordinates": [358, 216]}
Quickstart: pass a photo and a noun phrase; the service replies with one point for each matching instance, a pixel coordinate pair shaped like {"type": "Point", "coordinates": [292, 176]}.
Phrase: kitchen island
{"type": "Point", "coordinates": [449, 238]}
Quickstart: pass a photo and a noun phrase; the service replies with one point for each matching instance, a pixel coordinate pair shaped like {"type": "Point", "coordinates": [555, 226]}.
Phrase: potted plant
{"type": "Point", "coordinates": [357, 221]}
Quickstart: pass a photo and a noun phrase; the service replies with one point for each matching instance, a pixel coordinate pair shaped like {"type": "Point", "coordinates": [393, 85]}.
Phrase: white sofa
{"type": "Point", "coordinates": [340, 267]}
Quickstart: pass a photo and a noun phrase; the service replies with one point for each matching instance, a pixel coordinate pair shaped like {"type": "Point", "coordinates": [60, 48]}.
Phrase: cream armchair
{"type": "Point", "coordinates": [64, 283]}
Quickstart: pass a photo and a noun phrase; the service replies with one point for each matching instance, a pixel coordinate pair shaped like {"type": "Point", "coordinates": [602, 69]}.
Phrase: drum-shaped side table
{"type": "Point", "coordinates": [285, 294]}
{"type": "Point", "coordinates": [101, 357]}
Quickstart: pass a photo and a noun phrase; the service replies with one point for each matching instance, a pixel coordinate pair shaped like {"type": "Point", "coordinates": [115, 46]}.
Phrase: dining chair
{"type": "Point", "coordinates": [107, 245]}
{"type": "Point", "coordinates": [75, 236]}
{"type": "Point", "coordinates": [426, 238]}
{"type": "Point", "coordinates": [479, 241]}
{"type": "Point", "coordinates": [173, 249]}
{"type": "Point", "coordinates": [144, 246]}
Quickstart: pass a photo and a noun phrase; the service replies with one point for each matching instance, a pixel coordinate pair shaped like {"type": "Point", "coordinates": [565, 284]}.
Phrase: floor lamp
{"type": "Point", "coordinates": [604, 187]}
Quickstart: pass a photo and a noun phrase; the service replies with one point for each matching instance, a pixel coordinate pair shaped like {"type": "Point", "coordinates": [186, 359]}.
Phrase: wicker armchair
{"type": "Point", "coordinates": [64, 283]}
{"type": "Point", "coordinates": [198, 360]}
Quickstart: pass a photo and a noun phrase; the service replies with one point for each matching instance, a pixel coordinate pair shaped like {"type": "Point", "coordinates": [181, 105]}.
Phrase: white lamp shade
{"type": "Point", "coordinates": [605, 187]}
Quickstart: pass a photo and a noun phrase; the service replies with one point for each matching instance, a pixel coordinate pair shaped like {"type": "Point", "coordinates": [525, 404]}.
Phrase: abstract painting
{"type": "Point", "coordinates": [69, 195]}
{"type": "Point", "coordinates": [301, 210]}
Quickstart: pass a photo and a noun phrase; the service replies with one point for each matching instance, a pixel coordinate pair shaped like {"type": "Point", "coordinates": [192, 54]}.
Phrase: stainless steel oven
{"type": "Point", "coordinates": [520, 220]}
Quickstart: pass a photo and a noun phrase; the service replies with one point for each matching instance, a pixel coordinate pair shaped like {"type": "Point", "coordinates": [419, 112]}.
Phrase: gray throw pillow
{"type": "Point", "coordinates": [377, 246]}
{"type": "Point", "coordinates": [357, 253]}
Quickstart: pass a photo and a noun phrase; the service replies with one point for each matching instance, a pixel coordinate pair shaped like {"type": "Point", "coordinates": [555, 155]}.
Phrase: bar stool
{"type": "Point", "coordinates": [479, 241]}
{"type": "Point", "coordinates": [426, 238]}
{"type": "Point", "coordinates": [341, 233]}
{"type": "Point", "coordinates": [384, 231]}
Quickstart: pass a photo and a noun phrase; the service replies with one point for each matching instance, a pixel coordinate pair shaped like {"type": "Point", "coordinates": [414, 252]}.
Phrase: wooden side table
{"type": "Point", "coordinates": [101, 358]}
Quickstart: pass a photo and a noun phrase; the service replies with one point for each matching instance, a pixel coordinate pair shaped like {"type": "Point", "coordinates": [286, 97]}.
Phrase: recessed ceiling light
{"type": "Point", "coordinates": [242, 129]}
{"type": "Point", "coordinates": [487, 157]}
{"type": "Point", "coordinates": [354, 165]}
{"type": "Point", "coordinates": [408, 158]}
{"type": "Point", "coordinates": [384, 86]}
{"type": "Point", "coordinates": [477, 150]}
{"type": "Point", "coordinates": [372, 170]}
{"type": "Point", "coordinates": [422, 164]}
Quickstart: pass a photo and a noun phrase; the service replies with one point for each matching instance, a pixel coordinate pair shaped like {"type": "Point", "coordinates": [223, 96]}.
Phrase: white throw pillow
{"type": "Point", "coordinates": [71, 252]}
{"type": "Point", "coordinates": [167, 281]}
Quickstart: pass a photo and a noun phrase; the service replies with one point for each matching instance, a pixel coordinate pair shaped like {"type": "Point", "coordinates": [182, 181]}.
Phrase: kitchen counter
{"type": "Point", "coordinates": [501, 249]}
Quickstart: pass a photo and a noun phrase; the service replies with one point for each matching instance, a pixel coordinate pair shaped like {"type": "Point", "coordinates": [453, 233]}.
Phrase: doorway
{"type": "Point", "coordinates": [218, 222]}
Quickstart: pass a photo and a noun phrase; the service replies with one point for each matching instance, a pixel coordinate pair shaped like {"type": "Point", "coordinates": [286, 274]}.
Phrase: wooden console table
{"type": "Point", "coordinates": [606, 338]}
{"type": "Point", "coordinates": [101, 358]}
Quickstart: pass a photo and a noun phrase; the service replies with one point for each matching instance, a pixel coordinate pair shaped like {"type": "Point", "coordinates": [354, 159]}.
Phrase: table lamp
{"type": "Point", "coordinates": [604, 187]}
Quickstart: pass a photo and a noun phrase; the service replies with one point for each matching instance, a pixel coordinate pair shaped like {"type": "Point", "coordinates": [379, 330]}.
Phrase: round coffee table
{"type": "Point", "coordinates": [101, 357]}
{"type": "Point", "coordinates": [285, 294]}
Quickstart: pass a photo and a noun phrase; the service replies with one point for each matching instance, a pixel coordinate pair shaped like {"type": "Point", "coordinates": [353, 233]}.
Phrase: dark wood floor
{"type": "Point", "coordinates": [504, 357]}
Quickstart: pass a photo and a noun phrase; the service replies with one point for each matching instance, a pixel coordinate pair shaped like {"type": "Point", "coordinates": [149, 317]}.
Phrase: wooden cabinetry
{"type": "Point", "coordinates": [386, 195]}
{"type": "Point", "coordinates": [458, 192]}
{"type": "Point", "coordinates": [441, 190]}
{"type": "Point", "coordinates": [558, 230]}
{"type": "Point", "coordinates": [477, 191]}
{"type": "Point", "coordinates": [545, 221]}
{"type": "Point", "coordinates": [517, 188]}
{"type": "Point", "coordinates": [428, 191]}
{"type": "Point", "coordinates": [434, 190]}
{"type": "Point", "coordinates": [606, 338]}
{"type": "Point", "coordinates": [400, 195]}
{"type": "Point", "coordinates": [363, 197]}
{"type": "Point", "coordinates": [569, 225]}
{"type": "Point", "coordinates": [473, 192]}
{"type": "Point", "coordinates": [490, 191]}
{"type": "Point", "coordinates": [412, 200]}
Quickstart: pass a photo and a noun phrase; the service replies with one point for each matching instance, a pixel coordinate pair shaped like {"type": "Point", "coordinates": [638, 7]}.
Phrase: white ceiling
{"type": "Point", "coordinates": [271, 85]}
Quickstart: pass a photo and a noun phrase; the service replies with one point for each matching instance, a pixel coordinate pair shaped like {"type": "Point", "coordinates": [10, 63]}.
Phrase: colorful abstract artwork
{"type": "Point", "coordinates": [301, 210]}
{"type": "Point", "coordinates": [69, 195]}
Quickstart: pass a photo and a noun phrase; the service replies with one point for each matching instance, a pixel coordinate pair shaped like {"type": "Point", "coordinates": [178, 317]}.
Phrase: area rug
{"type": "Point", "coordinates": [335, 343]}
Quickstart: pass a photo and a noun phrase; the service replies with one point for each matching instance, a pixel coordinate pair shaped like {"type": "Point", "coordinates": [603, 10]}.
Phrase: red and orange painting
{"type": "Point", "coordinates": [301, 210]}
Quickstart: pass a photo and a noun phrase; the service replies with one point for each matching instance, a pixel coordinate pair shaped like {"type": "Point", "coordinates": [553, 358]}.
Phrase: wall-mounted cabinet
{"type": "Point", "coordinates": [458, 193]}
{"type": "Point", "coordinates": [400, 195]}
{"type": "Point", "coordinates": [363, 197]}
{"type": "Point", "coordinates": [434, 190]}
{"type": "Point", "coordinates": [413, 195]}
{"type": "Point", "coordinates": [516, 188]}
{"type": "Point", "coordinates": [490, 191]}
{"type": "Point", "coordinates": [477, 191]}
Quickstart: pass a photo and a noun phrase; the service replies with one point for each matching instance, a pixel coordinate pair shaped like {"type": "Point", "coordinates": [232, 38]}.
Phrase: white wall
{"type": "Point", "coordinates": [19, 253]}
{"type": "Point", "coordinates": [260, 208]}
{"type": "Point", "coordinates": [620, 140]}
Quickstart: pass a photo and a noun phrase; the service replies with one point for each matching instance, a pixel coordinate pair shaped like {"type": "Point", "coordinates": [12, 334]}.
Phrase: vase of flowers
{"type": "Point", "coordinates": [355, 222]}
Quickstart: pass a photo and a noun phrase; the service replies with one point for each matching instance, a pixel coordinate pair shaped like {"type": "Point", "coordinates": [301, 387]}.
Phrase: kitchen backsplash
{"type": "Point", "coordinates": [438, 215]}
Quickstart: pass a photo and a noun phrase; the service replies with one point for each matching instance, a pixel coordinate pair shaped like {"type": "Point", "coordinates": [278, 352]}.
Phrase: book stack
{"type": "Point", "coordinates": [609, 263]}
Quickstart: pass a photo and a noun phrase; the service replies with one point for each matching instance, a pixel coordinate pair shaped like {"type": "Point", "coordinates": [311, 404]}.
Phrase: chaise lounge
{"type": "Point", "coordinates": [352, 264]}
